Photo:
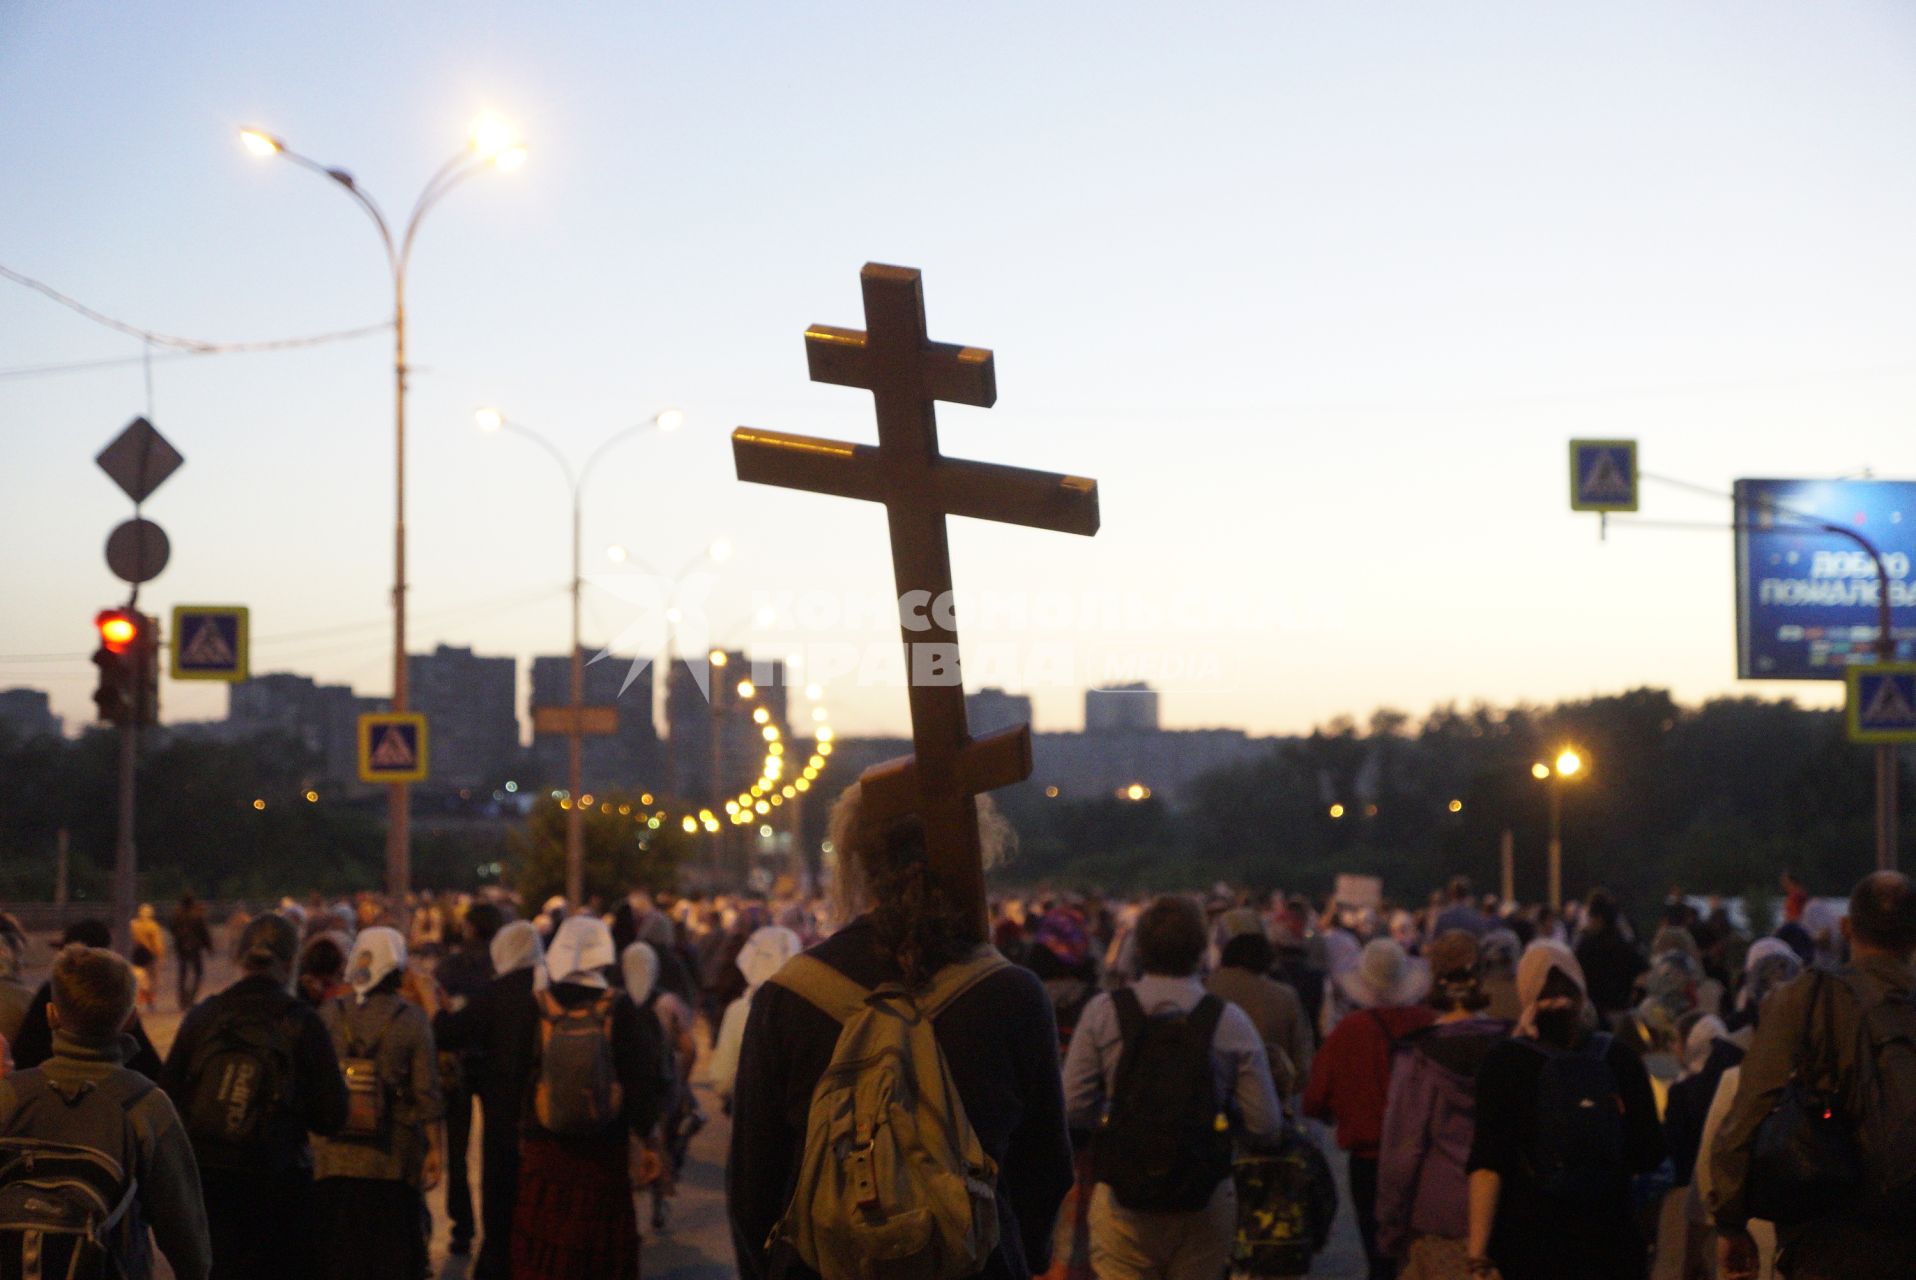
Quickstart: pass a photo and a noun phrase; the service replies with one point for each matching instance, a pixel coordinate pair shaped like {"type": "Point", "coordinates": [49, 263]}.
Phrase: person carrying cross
{"type": "Point", "coordinates": [997, 1036]}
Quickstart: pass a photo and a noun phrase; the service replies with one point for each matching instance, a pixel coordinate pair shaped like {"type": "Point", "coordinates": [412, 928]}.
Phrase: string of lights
{"type": "Point", "coordinates": [772, 789]}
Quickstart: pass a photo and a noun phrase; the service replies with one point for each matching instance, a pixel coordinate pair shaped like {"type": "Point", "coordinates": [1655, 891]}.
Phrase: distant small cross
{"type": "Point", "coordinates": [906, 373]}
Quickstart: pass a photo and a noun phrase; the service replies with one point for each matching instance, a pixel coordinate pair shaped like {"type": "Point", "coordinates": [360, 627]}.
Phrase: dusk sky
{"type": "Point", "coordinates": [1317, 292]}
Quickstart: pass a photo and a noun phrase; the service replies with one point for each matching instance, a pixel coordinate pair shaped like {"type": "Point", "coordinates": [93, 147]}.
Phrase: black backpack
{"type": "Point", "coordinates": [64, 1206]}
{"type": "Point", "coordinates": [1165, 1143]}
{"type": "Point", "coordinates": [241, 1072]}
{"type": "Point", "coordinates": [1579, 1155]}
{"type": "Point", "coordinates": [1886, 1085]}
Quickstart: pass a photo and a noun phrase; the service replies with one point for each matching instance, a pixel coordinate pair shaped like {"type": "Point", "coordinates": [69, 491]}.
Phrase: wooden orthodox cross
{"type": "Point", "coordinates": [906, 373]}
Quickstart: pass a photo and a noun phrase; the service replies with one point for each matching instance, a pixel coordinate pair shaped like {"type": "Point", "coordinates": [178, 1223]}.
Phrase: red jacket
{"type": "Point", "coordinates": [1350, 1077]}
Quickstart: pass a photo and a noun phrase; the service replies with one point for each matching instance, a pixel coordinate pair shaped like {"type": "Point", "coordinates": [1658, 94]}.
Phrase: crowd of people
{"type": "Point", "coordinates": [1105, 1088]}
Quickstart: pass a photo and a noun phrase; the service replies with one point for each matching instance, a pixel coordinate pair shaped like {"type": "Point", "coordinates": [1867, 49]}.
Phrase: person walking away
{"type": "Point", "coordinates": [35, 1043]}
{"type": "Point", "coordinates": [763, 955]}
{"type": "Point", "coordinates": [192, 939]}
{"type": "Point", "coordinates": [1350, 1078]}
{"type": "Point", "coordinates": [1565, 1118]}
{"type": "Point", "coordinates": [1461, 912]}
{"type": "Point", "coordinates": [15, 995]}
{"type": "Point", "coordinates": [600, 1077]}
{"type": "Point", "coordinates": [660, 1158]}
{"type": "Point", "coordinates": [1431, 1118]}
{"type": "Point", "coordinates": [1499, 952]}
{"type": "Point", "coordinates": [463, 975]}
{"type": "Point", "coordinates": [1611, 960]}
{"type": "Point", "coordinates": [1061, 953]}
{"type": "Point", "coordinates": [149, 953]}
{"type": "Point", "coordinates": [500, 1028]}
{"type": "Point", "coordinates": [251, 1071]}
{"type": "Point", "coordinates": [1164, 1074]}
{"type": "Point", "coordinates": [369, 1208]}
{"type": "Point", "coordinates": [1243, 979]}
{"type": "Point", "coordinates": [1854, 1026]}
{"type": "Point", "coordinates": [966, 1022]}
{"type": "Point", "coordinates": [87, 1144]}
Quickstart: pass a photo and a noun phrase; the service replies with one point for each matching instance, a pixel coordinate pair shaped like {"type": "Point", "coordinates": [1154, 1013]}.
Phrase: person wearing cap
{"type": "Point", "coordinates": [370, 1189]}
{"type": "Point", "coordinates": [1350, 1078]}
{"type": "Point", "coordinates": [1519, 1225]}
{"type": "Point", "coordinates": [1430, 1118]}
{"type": "Point", "coordinates": [259, 1195]}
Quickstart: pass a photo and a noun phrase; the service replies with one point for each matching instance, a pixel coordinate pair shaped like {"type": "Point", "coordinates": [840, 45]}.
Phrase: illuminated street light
{"type": "Point", "coordinates": [1568, 764]}
{"type": "Point", "coordinates": [492, 146]}
{"type": "Point", "coordinates": [1540, 771]}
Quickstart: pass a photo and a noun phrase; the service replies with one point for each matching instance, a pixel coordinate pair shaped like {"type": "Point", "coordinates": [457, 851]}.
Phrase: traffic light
{"type": "Point", "coordinates": [128, 659]}
{"type": "Point", "coordinates": [119, 629]}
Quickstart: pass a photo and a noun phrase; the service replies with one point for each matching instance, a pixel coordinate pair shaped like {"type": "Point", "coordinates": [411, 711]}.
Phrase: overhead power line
{"type": "Point", "coordinates": [178, 346]}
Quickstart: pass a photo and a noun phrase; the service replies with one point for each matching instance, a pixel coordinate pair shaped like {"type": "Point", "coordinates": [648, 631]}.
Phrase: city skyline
{"type": "Point", "coordinates": [1317, 297]}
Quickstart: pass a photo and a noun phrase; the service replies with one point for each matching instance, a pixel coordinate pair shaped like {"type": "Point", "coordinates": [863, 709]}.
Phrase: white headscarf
{"type": "Point", "coordinates": [766, 952]}
{"type": "Point", "coordinates": [377, 953]}
{"type": "Point", "coordinates": [581, 952]}
{"type": "Point", "coordinates": [640, 964]}
{"type": "Point", "coordinates": [516, 946]}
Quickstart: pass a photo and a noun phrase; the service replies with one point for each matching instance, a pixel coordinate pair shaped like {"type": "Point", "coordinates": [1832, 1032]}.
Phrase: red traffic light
{"type": "Point", "coordinates": [119, 628]}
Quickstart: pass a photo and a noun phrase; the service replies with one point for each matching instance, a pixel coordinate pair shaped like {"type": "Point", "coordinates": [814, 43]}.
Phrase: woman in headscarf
{"type": "Point", "coordinates": [658, 1169]}
{"type": "Point", "coordinates": [1536, 1210]}
{"type": "Point", "coordinates": [763, 955]}
{"type": "Point", "coordinates": [574, 1217]}
{"type": "Point", "coordinates": [372, 1176]}
{"type": "Point", "coordinates": [498, 1029]}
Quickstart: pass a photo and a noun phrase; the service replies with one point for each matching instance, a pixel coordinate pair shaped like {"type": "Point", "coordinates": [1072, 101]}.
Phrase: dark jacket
{"type": "Point", "coordinates": [83, 1096]}
{"type": "Point", "coordinates": [500, 1028]}
{"type": "Point", "coordinates": [315, 1099]}
{"type": "Point", "coordinates": [1001, 1044]}
{"type": "Point", "coordinates": [1610, 968]}
{"type": "Point", "coordinates": [1537, 1237]}
{"type": "Point", "coordinates": [1428, 1126]}
{"type": "Point", "coordinates": [1832, 1037]}
{"type": "Point", "coordinates": [35, 1044]}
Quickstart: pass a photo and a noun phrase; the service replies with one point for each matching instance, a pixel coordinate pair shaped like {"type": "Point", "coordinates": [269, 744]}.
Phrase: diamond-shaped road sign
{"type": "Point", "coordinates": [1603, 475]}
{"type": "Point", "coordinates": [139, 460]}
{"type": "Point", "coordinates": [392, 747]}
{"type": "Point", "coordinates": [210, 642]}
{"type": "Point", "coordinates": [1882, 702]}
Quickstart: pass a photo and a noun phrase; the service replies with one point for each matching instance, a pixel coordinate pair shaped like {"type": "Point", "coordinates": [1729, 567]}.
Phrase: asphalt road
{"type": "Point", "coordinates": [696, 1244]}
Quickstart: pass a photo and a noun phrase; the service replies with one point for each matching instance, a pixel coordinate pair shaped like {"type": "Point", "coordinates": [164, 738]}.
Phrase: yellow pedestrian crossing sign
{"type": "Point", "coordinates": [210, 642]}
{"type": "Point", "coordinates": [392, 747]}
{"type": "Point", "coordinates": [1882, 702]}
{"type": "Point", "coordinates": [1603, 475]}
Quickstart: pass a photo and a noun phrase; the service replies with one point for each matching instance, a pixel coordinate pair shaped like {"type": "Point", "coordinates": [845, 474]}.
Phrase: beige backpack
{"type": "Point", "coordinates": [894, 1182]}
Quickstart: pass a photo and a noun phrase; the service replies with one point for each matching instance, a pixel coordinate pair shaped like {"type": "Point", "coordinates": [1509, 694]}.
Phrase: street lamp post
{"type": "Point", "coordinates": [1568, 765]}
{"type": "Point", "coordinates": [491, 146]}
{"type": "Point", "coordinates": [493, 420]}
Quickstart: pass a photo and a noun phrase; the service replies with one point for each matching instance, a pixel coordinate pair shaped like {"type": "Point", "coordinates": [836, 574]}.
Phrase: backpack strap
{"type": "Point", "coordinates": [823, 987]}
{"type": "Point", "coordinates": [1131, 1019]}
{"type": "Point", "coordinates": [1205, 1017]}
{"type": "Point", "coordinates": [954, 980]}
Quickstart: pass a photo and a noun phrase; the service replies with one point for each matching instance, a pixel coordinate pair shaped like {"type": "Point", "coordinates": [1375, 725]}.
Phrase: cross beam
{"type": "Point", "coordinates": [907, 373]}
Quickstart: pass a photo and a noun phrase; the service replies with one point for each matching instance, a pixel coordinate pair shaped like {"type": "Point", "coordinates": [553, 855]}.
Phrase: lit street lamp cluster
{"type": "Point", "coordinates": [491, 145]}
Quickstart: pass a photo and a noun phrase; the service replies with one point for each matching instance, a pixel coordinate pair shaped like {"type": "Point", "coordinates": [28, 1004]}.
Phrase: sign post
{"type": "Point", "coordinates": [1881, 709]}
{"type": "Point", "coordinates": [139, 460]}
{"type": "Point", "coordinates": [392, 747]}
{"type": "Point", "coordinates": [211, 642]}
{"type": "Point", "coordinates": [1603, 475]}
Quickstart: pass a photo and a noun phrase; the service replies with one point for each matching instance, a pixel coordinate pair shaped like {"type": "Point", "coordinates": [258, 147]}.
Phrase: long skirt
{"type": "Point", "coordinates": [574, 1219]}
{"type": "Point", "coordinates": [368, 1229]}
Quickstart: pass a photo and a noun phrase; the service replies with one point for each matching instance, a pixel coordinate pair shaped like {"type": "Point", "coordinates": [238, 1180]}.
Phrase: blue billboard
{"type": "Point", "coordinates": [1808, 599]}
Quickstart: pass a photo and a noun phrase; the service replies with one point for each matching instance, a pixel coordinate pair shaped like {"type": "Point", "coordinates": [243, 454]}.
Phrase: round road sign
{"type": "Point", "coordinates": [137, 551]}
